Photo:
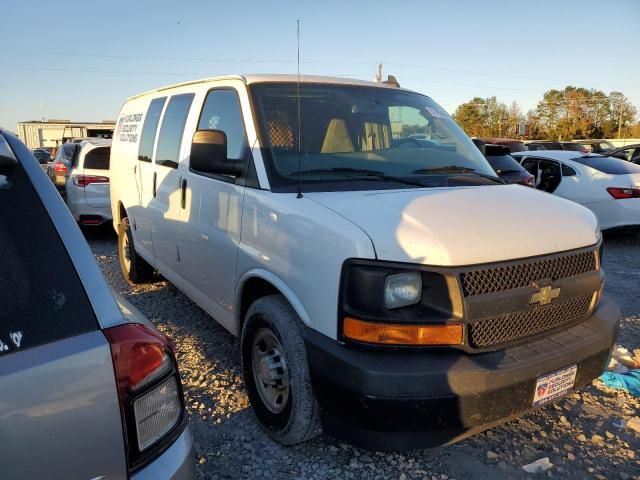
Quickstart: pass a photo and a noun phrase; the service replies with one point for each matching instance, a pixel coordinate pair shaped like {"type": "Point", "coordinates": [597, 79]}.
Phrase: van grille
{"type": "Point", "coordinates": [514, 326]}
{"type": "Point", "coordinates": [491, 280]}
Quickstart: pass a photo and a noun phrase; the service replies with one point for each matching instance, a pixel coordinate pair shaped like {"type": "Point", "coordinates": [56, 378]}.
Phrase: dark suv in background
{"type": "Point", "coordinates": [513, 144]}
{"type": "Point", "coordinates": [507, 167]}
{"type": "Point", "coordinates": [598, 146]}
{"type": "Point", "coordinates": [551, 145]}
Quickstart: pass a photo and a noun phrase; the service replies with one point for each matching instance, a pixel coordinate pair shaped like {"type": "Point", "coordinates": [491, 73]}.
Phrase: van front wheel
{"type": "Point", "coordinates": [274, 363]}
{"type": "Point", "coordinates": [135, 269]}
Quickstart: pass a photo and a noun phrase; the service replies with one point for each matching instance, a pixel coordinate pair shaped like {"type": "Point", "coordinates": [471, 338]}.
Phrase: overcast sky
{"type": "Point", "coordinates": [82, 59]}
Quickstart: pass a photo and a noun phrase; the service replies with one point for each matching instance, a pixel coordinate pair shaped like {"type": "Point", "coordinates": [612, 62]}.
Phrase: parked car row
{"type": "Point", "coordinates": [43, 156]}
{"type": "Point", "coordinates": [80, 172]}
{"type": "Point", "coordinates": [608, 186]}
{"type": "Point", "coordinates": [546, 145]}
{"type": "Point", "coordinates": [605, 147]}
{"type": "Point", "coordinates": [630, 153]}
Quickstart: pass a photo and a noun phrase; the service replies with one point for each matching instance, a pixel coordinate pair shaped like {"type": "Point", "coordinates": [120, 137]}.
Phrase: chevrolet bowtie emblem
{"type": "Point", "coordinates": [545, 295]}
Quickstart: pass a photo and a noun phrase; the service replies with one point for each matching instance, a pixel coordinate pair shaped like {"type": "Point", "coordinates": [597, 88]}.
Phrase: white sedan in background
{"type": "Point", "coordinates": [608, 186]}
{"type": "Point", "coordinates": [87, 185]}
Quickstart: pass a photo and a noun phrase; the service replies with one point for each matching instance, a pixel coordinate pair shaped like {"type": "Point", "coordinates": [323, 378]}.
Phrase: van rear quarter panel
{"type": "Point", "coordinates": [124, 178]}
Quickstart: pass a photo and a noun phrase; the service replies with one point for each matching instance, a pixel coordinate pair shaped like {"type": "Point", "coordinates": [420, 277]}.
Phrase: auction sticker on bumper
{"type": "Point", "coordinates": [554, 385]}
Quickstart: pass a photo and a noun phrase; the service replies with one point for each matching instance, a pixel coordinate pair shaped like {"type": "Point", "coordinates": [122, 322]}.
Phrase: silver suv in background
{"type": "Point", "coordinates": [90, 389]}
{"type": "Point", "coordinates": [87, 185]}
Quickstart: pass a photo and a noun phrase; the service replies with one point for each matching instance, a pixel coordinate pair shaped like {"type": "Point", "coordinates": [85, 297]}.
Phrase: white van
{"type": "Point", "coordinates": [386, 286]}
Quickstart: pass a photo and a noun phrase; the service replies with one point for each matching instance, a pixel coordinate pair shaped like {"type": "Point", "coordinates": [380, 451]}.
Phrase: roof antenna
{"type": "Point", "coordinates": [299, 120]}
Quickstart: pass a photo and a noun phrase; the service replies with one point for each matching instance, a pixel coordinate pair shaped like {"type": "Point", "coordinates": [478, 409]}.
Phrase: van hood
{"type": "Point", "coordinates": [464, 225]}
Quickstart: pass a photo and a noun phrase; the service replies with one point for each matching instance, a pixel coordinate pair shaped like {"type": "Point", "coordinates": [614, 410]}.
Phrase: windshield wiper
{"type": "Point", "coordinates": [360, 172]}
{"type": "Point", "coordinates": [458, 169]}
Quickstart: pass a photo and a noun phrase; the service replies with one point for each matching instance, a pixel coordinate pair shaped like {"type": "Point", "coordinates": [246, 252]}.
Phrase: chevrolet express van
{"type": "Point", "coordinates": [385, 284]}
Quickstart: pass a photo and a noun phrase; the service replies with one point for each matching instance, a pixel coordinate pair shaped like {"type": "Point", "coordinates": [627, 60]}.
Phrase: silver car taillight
{"type": "Point", "coordinates": [149, 389]}
{"type": "Point", "coordinates": [157, 412]}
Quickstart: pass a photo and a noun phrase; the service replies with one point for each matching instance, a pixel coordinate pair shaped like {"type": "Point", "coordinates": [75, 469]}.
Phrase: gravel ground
{"type": "Point", "coordinates": [584, 435]}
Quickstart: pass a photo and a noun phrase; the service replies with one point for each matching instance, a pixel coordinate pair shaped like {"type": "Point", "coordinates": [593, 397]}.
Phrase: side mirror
{"type": "Point", "coordinates": [209, 154]}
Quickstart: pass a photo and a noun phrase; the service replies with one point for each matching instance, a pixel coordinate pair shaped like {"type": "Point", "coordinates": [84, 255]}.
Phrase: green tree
{"type": "Point", "coordinates": [471, 116]}
{"type": "Point", "coordinates": [536, 129]}
{"type": "Point", "coordinates": [567, 114]}
{"type": "Point", "coordinates": [622, 114]}
{"type": "Point", "coordinates": [514, 115]}
{"type": "Point", "coordinates": [577, 112]}
{"type": "Point", "coordinates": [549, 113]}
{"type": "Point", "coordinates": [486, 117]}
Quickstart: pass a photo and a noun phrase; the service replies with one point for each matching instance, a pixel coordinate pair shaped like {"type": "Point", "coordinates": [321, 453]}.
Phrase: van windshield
{"type": "Point", "coordinates": [353, 133]}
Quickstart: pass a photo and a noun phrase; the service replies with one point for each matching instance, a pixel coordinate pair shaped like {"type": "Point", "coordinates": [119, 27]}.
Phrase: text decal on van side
{"type": "Point", "coordinates": [127, 127]}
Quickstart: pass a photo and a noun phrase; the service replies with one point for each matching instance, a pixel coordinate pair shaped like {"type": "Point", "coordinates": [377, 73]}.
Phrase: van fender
{"type": "Point", "coordinates": [279, 284]}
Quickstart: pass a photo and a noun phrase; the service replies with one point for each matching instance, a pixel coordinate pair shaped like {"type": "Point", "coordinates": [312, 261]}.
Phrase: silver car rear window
{"type": "Point", "coordinates": [41, 297]}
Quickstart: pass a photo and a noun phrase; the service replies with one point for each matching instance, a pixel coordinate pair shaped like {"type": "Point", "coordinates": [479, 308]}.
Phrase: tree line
{"type": "Point", "coordinates": [571, 113]}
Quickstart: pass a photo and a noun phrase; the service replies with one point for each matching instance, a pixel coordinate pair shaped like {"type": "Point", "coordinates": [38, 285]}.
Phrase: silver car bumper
{"type": "Point", "coordinates": [176, 463]}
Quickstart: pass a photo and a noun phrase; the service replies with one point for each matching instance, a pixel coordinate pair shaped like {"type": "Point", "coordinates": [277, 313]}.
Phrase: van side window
{"type": "Point", "coordinates": [567, 171]}
{"type": "Point", "coordinates": [222, 111]}
{"type": "Point", "coordinates": [170, 137]}
{"type": "Point", "coordinates": [148, 136]}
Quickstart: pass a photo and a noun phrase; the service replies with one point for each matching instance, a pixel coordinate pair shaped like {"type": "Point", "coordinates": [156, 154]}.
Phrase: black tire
{"type": "Point", "coordinates": [136, 269]}
{"type": "Point", "coordinates": [299, 419]}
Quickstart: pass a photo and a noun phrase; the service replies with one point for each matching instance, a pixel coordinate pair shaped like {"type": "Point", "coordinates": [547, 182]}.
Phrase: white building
{"type": "Point", "coordinates": [53, 132]}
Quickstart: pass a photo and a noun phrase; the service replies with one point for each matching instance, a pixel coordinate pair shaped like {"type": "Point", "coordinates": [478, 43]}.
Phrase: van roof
{"type": "Point", "coordinates": [266, 77]}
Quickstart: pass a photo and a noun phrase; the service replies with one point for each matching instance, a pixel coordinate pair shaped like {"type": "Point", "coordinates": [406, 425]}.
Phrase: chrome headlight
{"type": "Point", "coordinates": [402, 289]}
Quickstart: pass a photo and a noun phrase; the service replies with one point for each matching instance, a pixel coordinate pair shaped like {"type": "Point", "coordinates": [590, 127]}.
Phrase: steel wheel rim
{"type": "Point", "coordinates": [270, 372]}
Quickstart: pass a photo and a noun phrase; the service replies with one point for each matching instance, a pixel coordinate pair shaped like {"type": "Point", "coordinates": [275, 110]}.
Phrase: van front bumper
{"type": "Point", "coordinates": [402, 399]}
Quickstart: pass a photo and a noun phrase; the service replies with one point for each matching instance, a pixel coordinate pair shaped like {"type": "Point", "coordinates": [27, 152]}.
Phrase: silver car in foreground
{"type": "Point", "coordinates": [89, 389]}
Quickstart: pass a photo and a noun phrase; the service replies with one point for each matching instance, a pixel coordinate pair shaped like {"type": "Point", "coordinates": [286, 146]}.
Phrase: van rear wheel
{"type": "Point", "coordinates": [276, 373]}
{"type": "Point", "coordinates": [135, 269]}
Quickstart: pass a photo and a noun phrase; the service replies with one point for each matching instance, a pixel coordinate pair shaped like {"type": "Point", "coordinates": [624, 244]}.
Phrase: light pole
{"type": "Point", "coordinates": [620, 118]}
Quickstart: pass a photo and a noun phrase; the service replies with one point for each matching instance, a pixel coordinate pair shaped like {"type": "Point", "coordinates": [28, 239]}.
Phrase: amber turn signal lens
{"type": "Point", "coordinates": [394, 334]}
